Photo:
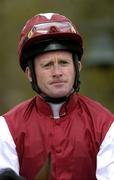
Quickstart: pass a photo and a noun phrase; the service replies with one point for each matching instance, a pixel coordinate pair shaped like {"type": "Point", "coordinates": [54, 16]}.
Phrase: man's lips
{"type": "Point", "coordinates": [57, 82]}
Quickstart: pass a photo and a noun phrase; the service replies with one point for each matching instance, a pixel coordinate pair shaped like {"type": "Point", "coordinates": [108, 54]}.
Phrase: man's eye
{"type": "Point", "coordinates": [64, 62]}
{"type": "Point", "coordinates": [47, 65]}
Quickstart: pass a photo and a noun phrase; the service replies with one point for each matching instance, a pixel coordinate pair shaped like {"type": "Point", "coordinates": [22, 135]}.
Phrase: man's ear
{"type": "Point", "coordinates": [79, 65]}
{"type": "Point", "coordinates": [28, 74]}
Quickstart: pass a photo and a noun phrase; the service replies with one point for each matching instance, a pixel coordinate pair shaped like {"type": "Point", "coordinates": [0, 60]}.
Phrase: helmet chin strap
{"type": "Point", "coordinates": [58, 99]}
{"type": "Point", "coordinates": [34, 81]}
{"type": "Point", "coordinates": [55, 100]}
{"type": "Point", "coordinates": [47, 98]}
{"type": "Point", "coordinates": [77, 76]}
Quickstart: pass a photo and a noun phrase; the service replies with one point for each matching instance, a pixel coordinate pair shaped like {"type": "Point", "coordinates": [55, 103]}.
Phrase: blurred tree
{"type": "Point", "coordinates": [96, 82]}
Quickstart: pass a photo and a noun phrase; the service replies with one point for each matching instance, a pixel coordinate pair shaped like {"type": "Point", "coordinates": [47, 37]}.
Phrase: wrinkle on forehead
{"type": "Point", "coordinates": [50, 55]}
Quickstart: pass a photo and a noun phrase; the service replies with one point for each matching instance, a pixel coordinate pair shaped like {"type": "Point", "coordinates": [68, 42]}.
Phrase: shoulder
{"type": "Point", "coordinates": [100, 117]}
{"type": "Point", "coordinates": [21, 108]}
{"type": "Point", "coordinates": [18, 115]}
{"type": "Point", "coordinates": [94, 106]}
{"type": "Point", "coordinates": [16, 118]}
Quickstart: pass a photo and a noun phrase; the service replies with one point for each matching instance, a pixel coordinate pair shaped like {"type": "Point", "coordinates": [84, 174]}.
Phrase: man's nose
{"type": "Point", "coordinates": [57, 71]}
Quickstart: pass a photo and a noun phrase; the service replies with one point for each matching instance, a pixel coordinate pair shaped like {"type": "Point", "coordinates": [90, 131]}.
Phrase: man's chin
{"type": "Point", "coordinates": [59, 95]}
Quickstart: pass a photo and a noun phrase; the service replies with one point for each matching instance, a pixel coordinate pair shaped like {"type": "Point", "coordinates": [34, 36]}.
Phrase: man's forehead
{"type": "Point", "coordinates": [55, 53]}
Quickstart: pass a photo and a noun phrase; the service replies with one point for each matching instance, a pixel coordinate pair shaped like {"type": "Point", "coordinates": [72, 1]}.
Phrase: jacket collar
{"type": "Point", "coordinates": [44, 108]}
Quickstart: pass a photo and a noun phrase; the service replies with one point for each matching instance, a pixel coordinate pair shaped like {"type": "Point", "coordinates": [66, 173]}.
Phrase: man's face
{"type": "Point", "coordinates": [55, 73]}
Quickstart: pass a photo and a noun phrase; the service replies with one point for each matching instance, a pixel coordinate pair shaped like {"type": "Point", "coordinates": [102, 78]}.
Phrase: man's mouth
{"type": "Point", "coordinates": [58, 82]}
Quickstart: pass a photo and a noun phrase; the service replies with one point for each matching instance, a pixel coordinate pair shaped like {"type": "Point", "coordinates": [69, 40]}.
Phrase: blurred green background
{"type": "Point", "coordinates": [94, 20]}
